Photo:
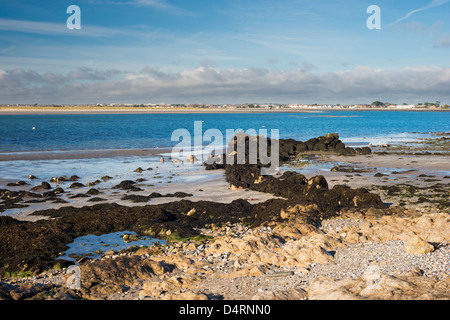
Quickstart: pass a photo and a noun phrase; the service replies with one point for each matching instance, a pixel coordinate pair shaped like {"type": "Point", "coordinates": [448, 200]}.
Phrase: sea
{"type": "Point", "coordinates": [41, 133]}
{"type": "Point", "coordinates": [25, 133]}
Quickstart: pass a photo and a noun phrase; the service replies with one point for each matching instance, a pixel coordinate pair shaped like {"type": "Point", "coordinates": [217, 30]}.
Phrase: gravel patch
{"type": "Point", "coordinates": [389, 256]}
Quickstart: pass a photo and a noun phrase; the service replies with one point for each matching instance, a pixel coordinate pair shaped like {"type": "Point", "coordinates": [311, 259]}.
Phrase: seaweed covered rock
{"type": "Point", "coordinates": [292, 185]}
{"type": "Point", "coordinates": [31, 246]}
{"type": "Point", "coordinates": [245, 149]}
{"type": "Point", "coordinates": [328, 143]}
{"type": "Point", "coordinates": [112, 275]}
{"type": "Point", "coordinates": [295, 186]}
{"type": "Point", "coordinates": [44, 186]}
{"type": "Point", "coordinates": [127, 185]}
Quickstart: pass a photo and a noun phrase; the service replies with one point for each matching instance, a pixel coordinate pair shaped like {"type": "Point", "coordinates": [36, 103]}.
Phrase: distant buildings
{"type": "Point", "coordinates": [402, 106]}
{"type": "Point", "coordinates": [377, 105]}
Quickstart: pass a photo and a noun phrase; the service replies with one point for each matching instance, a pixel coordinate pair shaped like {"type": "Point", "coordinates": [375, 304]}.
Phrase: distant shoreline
{"type": "Point", "coordinates": [136, 110]}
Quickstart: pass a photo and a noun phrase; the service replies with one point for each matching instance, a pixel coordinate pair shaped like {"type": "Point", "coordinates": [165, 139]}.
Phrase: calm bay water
{"type": "Point", "coordinates": [137, 131]}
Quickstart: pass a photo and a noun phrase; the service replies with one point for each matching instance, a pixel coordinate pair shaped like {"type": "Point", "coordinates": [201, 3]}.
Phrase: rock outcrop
{"type": "Point", "coordinates": [411, 286]}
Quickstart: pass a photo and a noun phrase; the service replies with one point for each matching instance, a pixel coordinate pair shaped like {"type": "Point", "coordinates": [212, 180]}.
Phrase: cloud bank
{"type": "Point", "coordinates": [207, 84]}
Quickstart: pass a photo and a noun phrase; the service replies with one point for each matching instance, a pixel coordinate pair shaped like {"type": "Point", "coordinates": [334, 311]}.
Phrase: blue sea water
{"type": "Point", "coordinates": [140, 131]}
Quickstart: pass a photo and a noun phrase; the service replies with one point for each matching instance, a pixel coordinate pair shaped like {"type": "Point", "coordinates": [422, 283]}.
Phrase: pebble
{"type": "Point", "coordinates": [279, 274]}
{"type": "Point", "coordinates": [390, 256]}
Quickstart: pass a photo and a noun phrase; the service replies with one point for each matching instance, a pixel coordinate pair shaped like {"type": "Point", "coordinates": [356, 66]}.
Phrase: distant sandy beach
{"type": "Point", "coordinates": [131, 110]}
{"type": "Point", "coordinates": [119, 110]}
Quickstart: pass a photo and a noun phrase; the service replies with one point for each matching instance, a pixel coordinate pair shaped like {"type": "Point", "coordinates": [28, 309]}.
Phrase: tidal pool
{"type": "Point", "coordinates": [94, 246]}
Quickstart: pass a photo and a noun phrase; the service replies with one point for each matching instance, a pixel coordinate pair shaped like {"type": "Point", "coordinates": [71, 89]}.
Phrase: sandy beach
{"type": "Point", "coordinates": [201, 185]}
{"type": "Point", "coordinates": [130, 110]}
{"type": "Point", "coordinates": [356, 171]}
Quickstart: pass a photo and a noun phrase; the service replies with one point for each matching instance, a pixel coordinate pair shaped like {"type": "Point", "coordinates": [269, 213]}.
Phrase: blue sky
{"type": "Point", "coordinates": [233, 51]}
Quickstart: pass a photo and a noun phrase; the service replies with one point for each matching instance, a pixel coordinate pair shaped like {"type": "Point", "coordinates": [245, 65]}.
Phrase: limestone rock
{"type": "Point", "coordinates": [432, 227]}
{"type": "Point", "coordinates": [292, 294]}
{"type": "Point", "coordinates": [191, 158]}
{"type": "Point", "coordinates": [417, 245]}
{"type": "Point", "coordinates": [110, 275]}
{"type": "Point", "coordinates": [191, 212]}
{"type": "Point", "coordinates": [330, 289]}
{"type": "Point", "coordinates": [268, 249]}
{"type": "Point", "coordinates": [376, 285]}
{"type": "Point", "coordinates": [250, 271]}
{"type": "Point", "coordinates": [188, 295]}
{"type": "Point", "coordinates": [158, 288]}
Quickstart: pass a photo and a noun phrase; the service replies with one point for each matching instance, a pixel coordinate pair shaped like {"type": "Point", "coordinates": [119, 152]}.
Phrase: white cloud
{"type": "Point", "coordinates": [33, 27]}
{"type": "Point", "coordinates": [52, 28]}
{"type": "Point", "coordinates": [432, 4]}
{"type": "Point", "coordinates": [206, 84]}
{"type": "Point", "coordinates": [442, 41]}
{"type": "Point", "coordinates": [160, 5]}
{"type": "Point", "coordinates": [85, 73]}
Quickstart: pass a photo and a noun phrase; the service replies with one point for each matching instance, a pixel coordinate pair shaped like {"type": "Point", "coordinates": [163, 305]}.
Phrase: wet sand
{"type": "Point", "coordinates": [370, 171]}
{"type": "Point", "coordinates": [79, 154]}
{"type": "Point", "coordinates": [394, 168]}
{"type": "Point", "coordinates": [203, 185]}
{"type": "Point", "coordinates": [418, 162]}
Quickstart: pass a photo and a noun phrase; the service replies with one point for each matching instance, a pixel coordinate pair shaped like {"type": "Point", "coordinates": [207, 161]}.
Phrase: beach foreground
{"type": "Point", "coordinates": [383, 236]}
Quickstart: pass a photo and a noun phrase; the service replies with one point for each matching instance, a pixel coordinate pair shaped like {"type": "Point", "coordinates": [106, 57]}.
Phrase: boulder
{"type": "Point", "coordinates": [417, 245]}
{"type": "Point", "coordinates": [191, 158]}
{"type": "Point", "coordinates": [187, 295]}
{"type": "Point", "coordinates": [376, 285]}
{"type": "Point", "coordinates": [340, 147]}
{"type": "Point", "coordinates": [93, 192]}
{"type": "Point", "coordinates": [310, 144]}
{"type": "Point", "coordinates": [58, 190]}
{"type": "Point", "coordinates": [127, 185]}
{"type": "Point", "coordinates": [300, 147]}
{"type": "Point", "coordinates": [110, 275]}
{"type": "Point", "coordinates": [16, 184]}
{"type": "Point", "coordinates": [44, 186]}
{"type": "Point", "coordinates": [320, 146]}
{"type": "Point", "coordinates": [292, 294]}
{"type": "Point", "coordinates": [76, 185]}
{"type": "Point", "coordinates": [158, 288]}
{"type": "Point", "coordinates": [332, 135]}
